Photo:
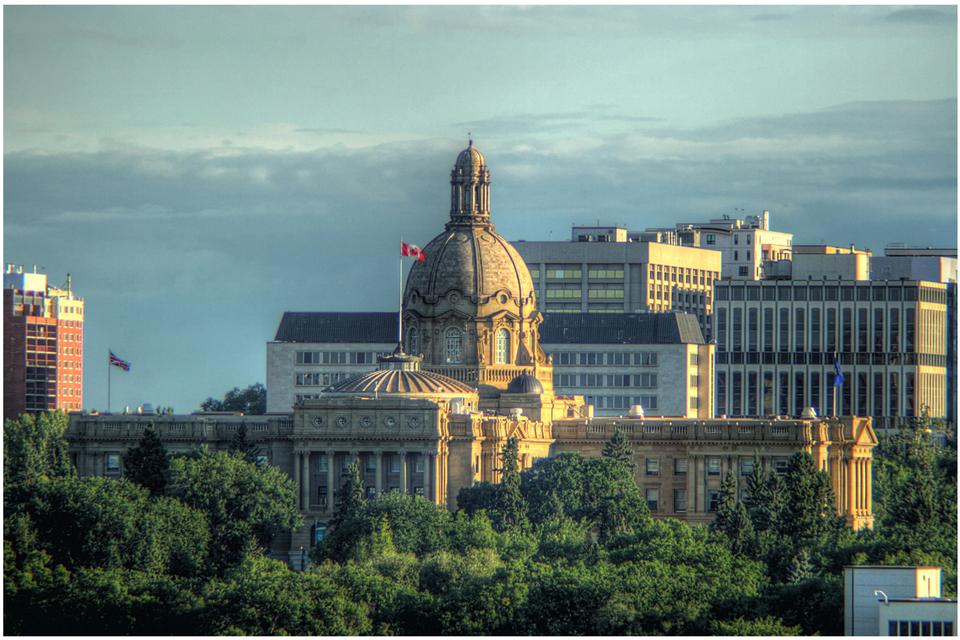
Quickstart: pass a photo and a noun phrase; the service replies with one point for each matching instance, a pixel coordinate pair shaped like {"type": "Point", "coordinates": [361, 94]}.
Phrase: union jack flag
{"type": "Point", "coordinates": [117, 362]}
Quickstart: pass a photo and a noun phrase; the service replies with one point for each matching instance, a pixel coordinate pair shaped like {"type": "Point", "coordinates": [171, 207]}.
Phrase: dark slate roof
{"type": "Point", "coordinates": [314, 326]}
{"type": "Point", "coordinates": [620, 328]}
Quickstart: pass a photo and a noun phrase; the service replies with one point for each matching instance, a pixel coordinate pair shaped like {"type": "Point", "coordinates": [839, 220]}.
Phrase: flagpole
{"type": "Point", "coordinates": [108, 380]}
{"type": "Point", "coordinates": [400, 305]}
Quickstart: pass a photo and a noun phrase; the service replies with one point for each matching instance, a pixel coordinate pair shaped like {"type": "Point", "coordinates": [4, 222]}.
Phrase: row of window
{"type": "Point", "coordinates": [920, 627]}
{"type": "Point", "coordinates": [621, 402]}
{"type": "Point", "coordinates": [319, 379]}
{"type": "Point", "coordinates": [817, 292]}
{"type": "Point", "coordinates": [641, 380]}
{"type": "Point", "coordinates": [608, 358]}
{"type": "Point", "coordinates": [827, 330]}
{"type": "Point", "coordinates": [336, 357]}
{"type": "Point", "coordinates": [828, 358]}
{"type": "Point", "coordinates": [767, 395]}
{"type": "Point", "coordinates": [745, 466]}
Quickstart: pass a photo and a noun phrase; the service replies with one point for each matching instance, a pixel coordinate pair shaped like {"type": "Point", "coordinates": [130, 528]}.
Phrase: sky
{"type": "Point", "coordinates": [201, 170]}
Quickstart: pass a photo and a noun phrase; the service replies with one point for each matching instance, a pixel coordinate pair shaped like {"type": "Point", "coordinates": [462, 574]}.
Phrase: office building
{"type": "Point", "coordinates": [604, 270]}
{"type": "Point", "coordinates": [748, 247]}
{"type": "Point", "coordinates": [882, 600]}
{"type": "Point", "coordinates": [42, 344]}
{"type": "Point", "coordinates": [776, 343]}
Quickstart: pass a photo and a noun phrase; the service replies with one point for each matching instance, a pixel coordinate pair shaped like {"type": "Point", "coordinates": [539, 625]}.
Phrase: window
{"type": "Point", "coordinates": [743, 271]}
{"type": "Point", "coordinates": [262, 460]}
{"type": "Point", "coordinates": [713, 500]}
{"type": "Point", "coordinates": [737, 338]}
{"type": "Point", "coordinates": [418, 491]}
{"type": "Point", "coordinates": [815, 330]}
{"type": "Point", "coordinates": [721, 393]}
{"type": "Point", "coordinates": [784, 330]}
{"type": "Point", "coordinates": [679, 500]}
{"type": "Point", "coordinates": [503, 346]}
{"type": "Point", "coordinates": [395, 464]}
{"type": "Point", "coordinates": [846, 330]}
{"type": "Point", "coordinates": [652, 466]}
{"type": "Point", "coordinates": [679, 466]}
{"type": "Point", "coordinates": [653, 499]}
{"type": "Point", "coordinates": [371, 493]}
{"type": "Point", "coordinates": [713, 466]}
{"type": "Point", "coordinates": [711, 239]}
{"type": "Point", "coordinates": [322, 464]}
{"type": "Point", "coordinates": [752, 326]}
{"type": "Point", "coordinates": [454, 346]}
{"type": "Point", "coordinates": [746, 466]}
{"type": "Point", "coordinates": [320, 532]}
{"type": "Point", "coordinates": [413, 341]}
{"type": "Point", "coordinates": [418, 465]}
{"type": "Point", "coordinates": [721, 329]}
{"type": "Point", "coordinates": [799, 330]}
{"type": "Point", "coordinates": [113, 463]}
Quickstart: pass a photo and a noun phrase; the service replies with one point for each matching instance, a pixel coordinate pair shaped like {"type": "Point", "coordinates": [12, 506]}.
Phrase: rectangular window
{"type": "Point", "coordinates": [113, 463]}
{"type": "Point", "coordinates": [831, 330]}
{"type": "Point", "coordinates": [798, 395]}
{"type": "Point", "coordinates": [679, 466]}
{"type": "Point", "coordinates": [767, 393]}
{"type": "Point", "coordinates": [679, 500]}
{"type": "Point", "coordinates": [736, 403]}
{"type": "Point", "coordinates": [737, 338]}
{"type": "Point", "coordinates": [713, 500]}
{"type": "Point", "coordinates": [846, 330]}
{"type": "Point", "coordinates": [815, 391]}
{"type": "Point", "coordinates": [894, 330]}
{"type": "Point", "coordinates": [752, 329]}
{"type": "Point", "coordinates": [418, 465]}
{"type": "Point", "coordinates": [395, 464]}
{"type": "Point", "coordinates": [909, 403]}
{"type": "Point", "coordinates": [815, 330]}
{"type": "Point", "coordinates": [721, 329]}
{"type": "Point", "coordinates": [713, 466]}
{"type": "Point", "coordinates": [784, 330]}
{"type": "Point", "coordinates": [653, 499]}
{"type": "Point", "coordinates": [863, 331]}
{"type": "Point", "coordinates": [652, 466]}
{"type": "Point", "coordinates": [751, 393]}
{"type": "Point", "coordinates": [784, 406]}
{"type": "Point", "coordinates": [846, 391]}
{"type": "Point", "coordinates": [910, 325]}
{"type": "Point", "coordinates": [746, 466]}
{"type": "Point", "coordinates": [722, 393]}
{"type": "Point", "coordinates": [862, 391]}
{"type": "Point", "coordinates": [768, 330]}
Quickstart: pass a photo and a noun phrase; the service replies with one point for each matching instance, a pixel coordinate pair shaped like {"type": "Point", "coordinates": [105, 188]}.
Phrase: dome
{"type": "Point", "coordinates": [405, 382]}
{"type": "Point", "coordinates": [470, 160]}
{"type": "Point", "coordinates": [525, 383]}
{"type": "Point", "coordinates": [474, 261]}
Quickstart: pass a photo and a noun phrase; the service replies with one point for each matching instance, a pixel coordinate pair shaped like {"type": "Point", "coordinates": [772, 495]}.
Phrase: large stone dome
{"type": "Point", "coordinates": [473, 263]}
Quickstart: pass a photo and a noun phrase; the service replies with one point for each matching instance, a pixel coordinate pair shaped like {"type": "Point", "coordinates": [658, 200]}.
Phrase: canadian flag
{"type": "Point", "coordinates": [413, 251]}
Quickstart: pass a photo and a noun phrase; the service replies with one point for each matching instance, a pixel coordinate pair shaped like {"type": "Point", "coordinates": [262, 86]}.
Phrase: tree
{"type": "Point", "coordinates": [511, 507]}
{"type": "Point", "coordinates": [247, 450]}
{"type": "Point", "coordinates": [809, 511]}
{"type": "Point", "coordinates": [245, 506]}
{"type": "Point", "coordinates": [34, 447]}
{"type": "Point", "coordinates": [618, 449]}
{"type": "Point", "coordinates": [250, 401]}
{"type": "Point", "coordinates": [350, 496]}
{"type": "Point", "coordinates": [148, 464]}
{"type": "Point", "coordinates": [732, 518]}
{"type": "Point", "coordinates": [766, 626]}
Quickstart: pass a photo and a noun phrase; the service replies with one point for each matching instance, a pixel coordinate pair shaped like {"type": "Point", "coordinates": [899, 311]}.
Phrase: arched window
{"type": "Point", "coordinates": [454, 346]}
{"type": "Point", "coordinates": [503, 346]}
{"type": "Point", "coordinates": [413, 341]}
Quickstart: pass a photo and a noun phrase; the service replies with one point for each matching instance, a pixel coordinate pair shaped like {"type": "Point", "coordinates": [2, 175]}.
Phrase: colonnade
{"type": "Point", "coordinates": [431, 480]}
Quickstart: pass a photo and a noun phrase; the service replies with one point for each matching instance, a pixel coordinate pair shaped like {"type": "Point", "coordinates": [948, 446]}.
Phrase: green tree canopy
{"type": "Point", "coordinates": [242, 447]}
{"type": "Point", "coordinates": [245, 506]}
{"type": "Point", "coordinates": [34, 447]}
{"type": "Point", "coordinates": [250, 401]}
{"type": "Point", "coordinates": [148, 464]}
{"type": "Point", "coordinates": [618, 449]}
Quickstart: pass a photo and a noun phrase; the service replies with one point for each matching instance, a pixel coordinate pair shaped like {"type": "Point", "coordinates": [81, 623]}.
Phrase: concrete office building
{"type": "Point", "coordinates": [605, 270]}
{"type": "Point", "coordinates": [748, 246]}
{"type": "Point", "coordinates": [776, 340]}
{"type": "Point", "coordinates": [882, 600]}
{"type": "Point", "coordinates": [42, 344]}
{"type": "Point", "coordinates": [658, 361]}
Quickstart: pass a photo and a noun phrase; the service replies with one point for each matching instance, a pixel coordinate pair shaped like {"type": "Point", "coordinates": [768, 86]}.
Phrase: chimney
{"type": "Point", "coordinates": [766, 220]}
{"type": "Point", "coordinates": [69, 283]}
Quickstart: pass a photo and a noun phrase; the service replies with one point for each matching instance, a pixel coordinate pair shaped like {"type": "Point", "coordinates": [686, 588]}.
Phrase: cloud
{"type": "Point", "coordinates": [936, 16]}
{"type": "Point", "coordinates": [187, 259]}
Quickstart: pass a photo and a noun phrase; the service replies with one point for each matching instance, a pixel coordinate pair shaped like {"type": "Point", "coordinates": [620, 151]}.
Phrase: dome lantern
{"type": "Point", "coordinates": [470, 188]}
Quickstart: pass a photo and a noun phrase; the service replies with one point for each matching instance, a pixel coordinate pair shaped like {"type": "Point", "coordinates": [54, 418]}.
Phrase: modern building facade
{"type": "Point", "coordinates": [882, 600]}
{"type": "Point", "coordinates": [435, 423]}
{"type": "Point", "coordinates": [748, 247]}
{"type": "Point", "coordinates": [777, 341]}
{"type": "Point", "coordinates": [604, 270]}
{"type": "Point", "coordinates": [659, 361]}
{"type": "Point", "coordinates": [42, 344]}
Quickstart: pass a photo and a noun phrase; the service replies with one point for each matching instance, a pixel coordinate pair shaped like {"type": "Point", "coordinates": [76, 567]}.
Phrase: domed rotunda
{"type": "Point", "coordinates": [471, 308]}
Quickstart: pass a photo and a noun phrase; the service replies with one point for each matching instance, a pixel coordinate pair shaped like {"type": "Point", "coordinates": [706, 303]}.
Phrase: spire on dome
{"type": "Point", "coordinates": [470, 187]}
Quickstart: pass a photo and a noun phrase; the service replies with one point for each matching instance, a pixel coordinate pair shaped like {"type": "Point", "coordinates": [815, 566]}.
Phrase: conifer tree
{"type": "Point", "coordinates": [351, 496]}
{"type": "Point", "coordinates": [148, 464]}
{"type": "Point", "coordinates": [240, 445]}
{"type": "Point", "coordinates": [618, 449]}
{"type": "Point", "coordinates": [511, 507]}
{"type": "Point", "coordinates": [732, 518]}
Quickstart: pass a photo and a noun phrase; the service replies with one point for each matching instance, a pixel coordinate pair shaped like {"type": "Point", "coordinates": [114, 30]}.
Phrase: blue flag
{"type": "Point", "coordinates": [838, 378]}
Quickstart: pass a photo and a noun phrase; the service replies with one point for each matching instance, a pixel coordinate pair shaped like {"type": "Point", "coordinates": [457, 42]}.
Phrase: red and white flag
{"type": "Point", "coordinates": [413, 251]}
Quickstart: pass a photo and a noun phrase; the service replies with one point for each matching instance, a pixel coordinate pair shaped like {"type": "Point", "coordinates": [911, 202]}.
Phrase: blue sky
{"type": "Point", "coordinates": [201, 170]}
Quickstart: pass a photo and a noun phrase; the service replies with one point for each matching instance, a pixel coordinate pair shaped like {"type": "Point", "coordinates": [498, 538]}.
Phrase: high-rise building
{"type": "Point", "coordinates": [42, 344]}
{"type": "Point", "coordinates": [749, 247]}
{"type": "Point", "coordinates": [777, 342]}
{"type": "Point", "coordinates": [605, 270]}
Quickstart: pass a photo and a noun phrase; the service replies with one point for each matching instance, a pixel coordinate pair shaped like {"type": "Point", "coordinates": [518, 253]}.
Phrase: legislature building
{"type": "Point", "coordinates": [469, 373]}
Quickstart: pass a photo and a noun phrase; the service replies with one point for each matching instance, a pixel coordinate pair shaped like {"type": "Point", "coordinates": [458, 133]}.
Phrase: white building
{"type": "Point", "coordinates": [896, 600]}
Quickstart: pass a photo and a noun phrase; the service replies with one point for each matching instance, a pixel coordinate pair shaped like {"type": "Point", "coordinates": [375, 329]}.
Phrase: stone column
{"type": "Point", "coordinates": [305, 484]}
{"type": "Point", "coordinates": [851, 488]}
{"type": "Point", "coordinates": [428, 476]}
{"type": "Point", "coordinates": [330, 479]}
{"type": "Point", "coordinates": [691, 484]}
{"type": "Point", "coordinates": [297, 478]}
{"type": "Point", "coordinates": [378, 482]}
{"type": "Point", "coordinates": [867, 463]}
{"type": "Point", "coordinates": [701, 482]}
{"type": "Point", "coordinates": [403, 472]}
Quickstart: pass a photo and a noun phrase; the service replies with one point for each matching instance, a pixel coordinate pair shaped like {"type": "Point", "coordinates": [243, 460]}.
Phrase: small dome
{"type": "Point", "coordinates": [470, 160]}
{"type": "Point", "coordinates": [406, 382]}
{"type": "Point", "coordinates": [525, 383]}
